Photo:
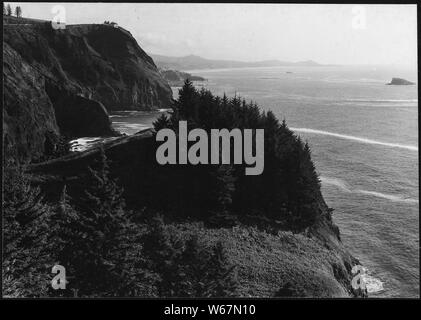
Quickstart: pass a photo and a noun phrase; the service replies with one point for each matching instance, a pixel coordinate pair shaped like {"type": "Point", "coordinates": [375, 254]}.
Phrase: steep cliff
{"type": "Point", "coordinates": [64, 81]}
{"type": "Point", "coordinates": [28, 115]}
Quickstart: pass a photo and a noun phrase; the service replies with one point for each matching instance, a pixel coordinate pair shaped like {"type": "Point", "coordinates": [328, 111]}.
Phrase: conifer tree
{"type": "Point", "coordinates": [288, 188]}
{"type": "Point", "coordinates": [186, 267]}
{"type": "Point", "coordinates": [222, 187]}
{"type": "Point", "coordinates": [18, 12]}
{"type": "Point", "coordinates": [224, 274]}
{"type": "Point", "coordinates": [8, 10]}
{"type": "Point", "coordinates": [27, 261]}
{"type": "Point", "coordinates": [98, 237]}
{"type": "Point", "coordinates": [162, 122]}
{"type": "Point", "coordinates": [187, 100]}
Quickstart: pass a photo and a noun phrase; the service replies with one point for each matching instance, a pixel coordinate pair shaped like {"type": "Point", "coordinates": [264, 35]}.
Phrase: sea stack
{"type": "Point", "coordinates": [400, 82]}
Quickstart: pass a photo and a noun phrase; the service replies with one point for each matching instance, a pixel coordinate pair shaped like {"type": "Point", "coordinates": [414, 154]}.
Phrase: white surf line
{"type": "Point", "coordinates": [336, 182]}
{"type": "Point", "coordinates": [345, 187]}
{"type": "Point", "coordinates": [381, 100]}
{"type": "Point", "coordinates": [372, 284]}
{"type": "Point", "coordinates": [387, 196]}
{"type": "Point", "coordinates": [362, 140]}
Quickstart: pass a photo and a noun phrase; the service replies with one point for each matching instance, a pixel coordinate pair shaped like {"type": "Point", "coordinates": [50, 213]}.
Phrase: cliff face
{"type": "Point", "coordinates": [98, 61]}
{"type": "Point", "coordinates": [29, 122]}
{"type": "Point", "coordinates": [64, 81]}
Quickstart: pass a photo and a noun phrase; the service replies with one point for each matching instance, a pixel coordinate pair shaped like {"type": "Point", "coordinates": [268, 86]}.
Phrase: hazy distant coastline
{"type": "Point", "coordinates": [193, 62]}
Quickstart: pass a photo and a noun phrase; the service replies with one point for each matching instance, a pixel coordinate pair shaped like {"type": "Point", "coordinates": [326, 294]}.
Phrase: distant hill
{"type": "Point", "coordinates": [176, 78]}
{"type": "Point", "coordinates": [195, 62]}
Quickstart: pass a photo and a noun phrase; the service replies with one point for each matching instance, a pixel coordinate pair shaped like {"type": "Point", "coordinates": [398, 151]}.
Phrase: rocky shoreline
{"type": "Point", "coordinates": [63, 83]}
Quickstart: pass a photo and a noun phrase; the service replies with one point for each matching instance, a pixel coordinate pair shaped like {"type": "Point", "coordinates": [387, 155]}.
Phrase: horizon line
{"type": "Point", "coordinates": [287, 61]}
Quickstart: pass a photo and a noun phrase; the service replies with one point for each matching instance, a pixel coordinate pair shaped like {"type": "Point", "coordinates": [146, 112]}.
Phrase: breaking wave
{"type": "Point", "coordinates": [390, 197]}
{"type": "Point", "coordinates": [354, 138]}
{"type": "Point", "coordinates": [372, 284]}
{"type": "Point", "coordinates": [345, 187]}
{"type": "Point", "coordinates": [383, 100]}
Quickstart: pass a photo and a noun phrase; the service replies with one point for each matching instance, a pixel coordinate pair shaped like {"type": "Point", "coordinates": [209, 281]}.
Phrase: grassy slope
{"type": "Point", "coordinates": [266, 263]}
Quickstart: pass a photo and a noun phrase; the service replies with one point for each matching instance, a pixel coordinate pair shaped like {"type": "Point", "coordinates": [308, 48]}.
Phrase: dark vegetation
{"type": "Point", "coordinates": [286, 192]}
{"type": "Point", "coordinates": [176, 78]}
{"type": "Point", "coordinates": [7, 11]}
{"type": "Point", "coordinates": [112, 245]}
{"type": "Point", "coordinates": [107, 249]}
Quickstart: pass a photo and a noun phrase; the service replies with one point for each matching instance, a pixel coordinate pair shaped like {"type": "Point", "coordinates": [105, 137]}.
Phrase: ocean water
{"type": "Point", "coordinates": [364, 140]}
{"type": "Point", "coordinates": [130, 122]}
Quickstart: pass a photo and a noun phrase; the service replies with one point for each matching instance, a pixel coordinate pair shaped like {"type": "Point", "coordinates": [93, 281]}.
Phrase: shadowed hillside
{"type": "Point", "coordinates": [62, 82]}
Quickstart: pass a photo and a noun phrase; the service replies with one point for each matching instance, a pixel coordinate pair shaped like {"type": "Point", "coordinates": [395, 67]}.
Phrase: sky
{"type": "Point", "coordinates": [328, 33]}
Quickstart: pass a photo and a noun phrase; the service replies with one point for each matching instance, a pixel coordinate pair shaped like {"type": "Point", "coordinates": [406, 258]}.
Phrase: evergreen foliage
{"type": "Point", "coordinates": [162, 122]}
{"type": "Point", "coordinates": [107, 253]}
{"type": "Point", "coordinates": [187, 267]}
{"type": "Point", "coordinates": [98, 240]}
{"type": "Point", "coordinates": [286, 191]}
{"type": "Point", "coordinates": [18, 12]}
{"type": "Point", "coordinates": [27, 261]}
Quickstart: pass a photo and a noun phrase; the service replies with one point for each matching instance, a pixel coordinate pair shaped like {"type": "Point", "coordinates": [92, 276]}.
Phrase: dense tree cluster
{"type": "Point", "coordinates": [112, 249]}
{"type": "Point", "coordinates": [7, 11]}
{"type": "Point", "coordinates": [27, 262]}
{"type": "Point", "coordinates": [187, 267]}
{"type": "Point", "coordinates": [106, 249]}
{"type": "Point", "coordinates": [286, 191]}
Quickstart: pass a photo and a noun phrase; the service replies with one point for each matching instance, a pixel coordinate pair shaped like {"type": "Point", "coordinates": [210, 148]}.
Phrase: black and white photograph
{"type": "Point", "coordinates": [210, 150]}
